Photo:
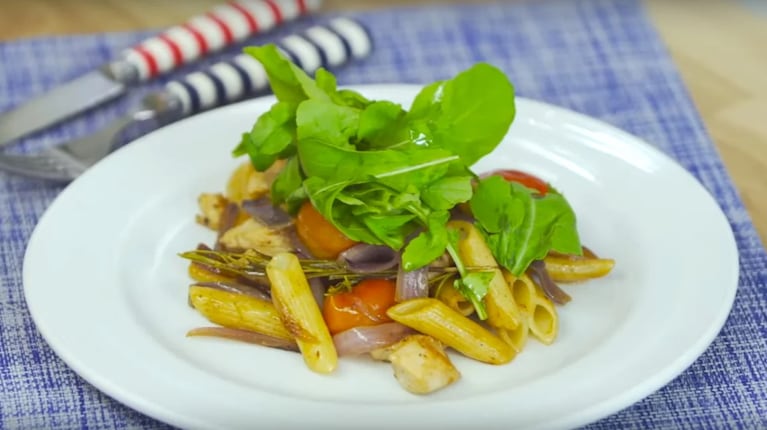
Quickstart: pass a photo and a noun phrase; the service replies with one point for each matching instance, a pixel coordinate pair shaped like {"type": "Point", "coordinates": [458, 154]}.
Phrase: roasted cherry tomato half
{"type": "Point", "coordinates": [322, 238]}
{"type": "Point", "coordinates": [364, 305]}
{"type": "Point", "coordinates": [526, 179]}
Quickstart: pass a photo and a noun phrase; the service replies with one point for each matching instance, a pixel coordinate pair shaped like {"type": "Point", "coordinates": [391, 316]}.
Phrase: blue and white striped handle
{"type": "Point", "coordinates": [331, 45]}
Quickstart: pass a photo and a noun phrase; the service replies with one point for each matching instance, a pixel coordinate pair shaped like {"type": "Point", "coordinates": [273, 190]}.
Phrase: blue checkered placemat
{"type": "Point", "coordinates": [602, 58]}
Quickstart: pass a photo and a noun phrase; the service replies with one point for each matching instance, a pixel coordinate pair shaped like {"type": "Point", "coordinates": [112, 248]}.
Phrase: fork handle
{"type": "Point", "coordinates": [334, 44]}
{"type": "Point", "coordinates": [222, 26]}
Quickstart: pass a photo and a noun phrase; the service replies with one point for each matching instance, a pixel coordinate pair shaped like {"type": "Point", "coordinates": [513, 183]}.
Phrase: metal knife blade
{"type": "Point", "coordinates": [59, 104]}
{"type": "Point", "coordinates": [224, 25]}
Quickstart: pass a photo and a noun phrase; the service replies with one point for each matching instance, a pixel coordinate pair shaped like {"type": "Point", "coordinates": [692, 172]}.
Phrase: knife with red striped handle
{"type": "Point", "coordinates": [224, 25]}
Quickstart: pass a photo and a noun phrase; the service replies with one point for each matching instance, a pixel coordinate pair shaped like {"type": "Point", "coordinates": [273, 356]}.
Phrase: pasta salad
{"type": "Point", "coordinates": [357, 226]}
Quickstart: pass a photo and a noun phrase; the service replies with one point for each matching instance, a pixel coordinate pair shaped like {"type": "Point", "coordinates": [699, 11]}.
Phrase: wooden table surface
{"type": "Point", "coordinates": [720, 48]}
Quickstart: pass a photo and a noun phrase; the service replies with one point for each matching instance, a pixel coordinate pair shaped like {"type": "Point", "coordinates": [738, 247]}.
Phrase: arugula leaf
{"type": "Point", "coordinates": [243, 146]}
{"type": "Point", "coordinates": [288, 186]}
{"type": "Point", "coordinates": [445, 193]}
{"type": "Point", "coordinates": [492, 208]}
{"type": "Point", "coordinates": [271, 138]}
{"type": "Point", "coordinates": [468, 115]}
{"type": "Point", "coordinates": [328, 122]}
{"type": "Point", "coordinates": [382, 124]}
{"type": "Point", "coordinates": [326, 81]}
{"type": "Point", "coordinates": [368, 212]}
{"type": "Point", "coordinates": [520, 227]}
{"type": "Point", "coordinates": [343, 97]}
{"type": "Point", "coordinates": [288, 81]}
{"type": "Point", "coordinates": [391, 229]}
{"type": "Point", "coordinates": [398, 169]}
{"type": "Point", "coordinates": [352, 98]}
{"type": "Point", "coordinates": [429, 245]}
{"type": "Point", "coordinates": [472, 285]}
{"type": "Point", "coordinates": [328, 199]}
{"type": "Point", "coordinates": [427, 103]}
{"type": "Point", "coordinates": [565, 238]}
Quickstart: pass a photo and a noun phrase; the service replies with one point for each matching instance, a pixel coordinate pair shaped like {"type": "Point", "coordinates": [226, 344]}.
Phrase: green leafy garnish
{"type": "Point", "coordinates": [385, 175]}
{"type": "Point", "coordinates": [520, 226]}
{"type": "Point", "coordinates": [429, 245]}
{"type": "Point", "coordinates": [473, 285]}
{"type": "Point", "coordinates": [468, 115]}
{"type": "Point", "coordinates": [271, 138]}
{"type": "Point", "coordinates": [289, 83]}
{"type": "Point", "coordinates": [382, 124]}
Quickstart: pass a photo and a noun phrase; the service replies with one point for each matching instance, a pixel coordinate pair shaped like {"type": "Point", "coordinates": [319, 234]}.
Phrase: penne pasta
{"type": "Point", "coordinates": [300, 312]}
{"type": "Point", "coordinates": [523, 291]}
{"type": "Point", "coordinates": [544, 321]}
{"type": "Point", "coordinates": [538, 310]}
{"type": "Point", "coordinates": [577, 269]}
{"type": "Point", "coordinates": [501, 309]}
{"type": "Point", "coordinates": [200, 274]}
{"type": "Point", "coordinates": [434, 318]}
{"type": "Point", "coordinates": [238, 311]}
{"type": "Point", "coordinates": [455, 300]}
{"type": "Point", "coordinates": [516, 338]}
{"type": "Point", "coordinates": [243, 336]}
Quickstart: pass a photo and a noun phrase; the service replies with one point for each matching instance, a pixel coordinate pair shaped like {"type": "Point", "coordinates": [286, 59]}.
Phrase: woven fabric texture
{"type": "Point", "coordinates": [602, 58]}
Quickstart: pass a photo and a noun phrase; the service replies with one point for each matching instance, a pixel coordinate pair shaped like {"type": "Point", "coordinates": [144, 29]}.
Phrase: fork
{"type": "Point", "coordinates": [331, 45]}
{"type": "Point", "coordinates": [67, 162]}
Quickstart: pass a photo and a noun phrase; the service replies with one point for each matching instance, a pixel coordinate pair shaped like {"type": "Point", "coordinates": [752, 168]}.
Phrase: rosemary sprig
{"type": "Point", "coordinates": [253, 264]}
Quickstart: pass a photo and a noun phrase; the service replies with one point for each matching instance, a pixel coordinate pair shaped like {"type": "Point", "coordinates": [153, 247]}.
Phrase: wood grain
{"type": "Point", "coordinates": [721, 52]}
{"type": "Point", "coordinates": [720, 48]}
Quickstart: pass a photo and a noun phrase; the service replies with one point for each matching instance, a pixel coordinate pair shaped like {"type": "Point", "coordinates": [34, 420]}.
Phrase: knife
{"type": "Point", "coordinates": [222, 26]}
{"type": "Point", "coordinates": [330, 45]}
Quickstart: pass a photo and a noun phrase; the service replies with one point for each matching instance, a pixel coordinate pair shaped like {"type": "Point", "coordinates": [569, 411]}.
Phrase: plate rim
{"type": "Point", "coordinates": [585, 416]}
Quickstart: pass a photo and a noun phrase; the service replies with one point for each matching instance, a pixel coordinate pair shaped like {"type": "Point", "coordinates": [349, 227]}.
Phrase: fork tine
{"type": "Point", "coordinates": [51, 164]}
{"type": "Point", "coordinates": [70, 160]}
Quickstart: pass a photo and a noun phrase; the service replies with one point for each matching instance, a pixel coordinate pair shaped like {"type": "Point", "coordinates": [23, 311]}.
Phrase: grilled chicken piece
{"type": "Point", "coordinates": [253, 234]}
{"type": "Point", "coordinates": [211, 209]}
{"type": "Point", "coordinates": [420, 364]}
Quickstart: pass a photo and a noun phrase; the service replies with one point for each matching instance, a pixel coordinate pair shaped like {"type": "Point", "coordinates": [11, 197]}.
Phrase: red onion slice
{"type": "Point", "coordinates": [228, 220]}
{"type": "Point", "coordinates": [318, 287]}
{"type": "Point", "coordinates": [263, 210]}
{"type": "Point", "coordinates": [298, 246]}
{"type": "Point", "coordinates": [244, 336]}
{"type": "Point", "coordinates": [412, 285]}
{"type": "Point", "coordinates": [363, 339]}
{"type": "Point", "coordinates": [459, 213]}
{"type": "Point", "coordinates": [549, 287]}
{"type": "Point", "coordinates": [203, 247]}
{"type": "Point", "coordinates": [364, 258]}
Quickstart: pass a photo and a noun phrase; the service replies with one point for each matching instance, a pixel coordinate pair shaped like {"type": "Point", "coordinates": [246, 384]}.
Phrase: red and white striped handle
{"type": "Point", "coordinates": [222, 26]}
{"type": "Point", "coordinates": [331, 45]}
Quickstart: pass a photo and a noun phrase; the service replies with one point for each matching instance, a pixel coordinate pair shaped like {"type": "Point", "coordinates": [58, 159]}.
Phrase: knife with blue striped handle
{"type": "Point", "coordinates": [329, 46]}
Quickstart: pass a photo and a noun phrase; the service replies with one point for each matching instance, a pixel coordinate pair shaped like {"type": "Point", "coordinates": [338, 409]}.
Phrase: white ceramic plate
{"type": "Point", "coordinates": [105, 286]}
